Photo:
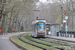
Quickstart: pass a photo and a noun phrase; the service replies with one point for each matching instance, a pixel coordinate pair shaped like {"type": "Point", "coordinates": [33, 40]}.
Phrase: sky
{"type": "Point", "coordinates": [43, 1]}
{"type": "Point", "coordinates": [51, 1]}
{"type": "Point", "coordinates": [46, 1]}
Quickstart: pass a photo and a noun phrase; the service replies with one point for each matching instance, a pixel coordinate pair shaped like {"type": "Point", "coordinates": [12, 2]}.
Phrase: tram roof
{"type": "Point", "coordinates": [39, 20]}
{"type": "Point", "coordinates": [52, 24]}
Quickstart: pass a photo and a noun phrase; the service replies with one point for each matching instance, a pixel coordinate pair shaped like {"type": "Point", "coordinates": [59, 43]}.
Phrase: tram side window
{"type": "Point", "coordinates": [34, 27]}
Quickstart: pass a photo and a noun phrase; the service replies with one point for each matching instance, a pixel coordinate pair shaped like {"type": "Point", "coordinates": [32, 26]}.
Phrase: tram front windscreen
{"type": "Point", "coordinates": [41, 26]}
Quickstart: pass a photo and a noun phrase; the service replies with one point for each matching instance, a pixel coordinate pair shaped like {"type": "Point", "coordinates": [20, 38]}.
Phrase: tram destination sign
{"type": "Point", "coordinates": [41, 22]}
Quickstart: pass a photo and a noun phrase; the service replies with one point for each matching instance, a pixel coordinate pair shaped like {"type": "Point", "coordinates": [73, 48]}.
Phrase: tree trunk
{"type": "Point", "coordinates": [12, 24]}
{"type": "Point", "coordinates": [18, 26]}
{"type": "Point", "coordinates": [9, 29]}
{"type": "Point", "coordinates": [2, 24]}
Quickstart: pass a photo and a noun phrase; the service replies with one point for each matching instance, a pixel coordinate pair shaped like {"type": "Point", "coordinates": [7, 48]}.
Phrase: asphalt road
{"type": "Point", "coordinates": [5, 43]}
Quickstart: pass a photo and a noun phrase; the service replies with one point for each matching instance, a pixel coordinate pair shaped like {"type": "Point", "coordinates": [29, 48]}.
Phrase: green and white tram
{"type": "Point", "coordinates": [38, 28]}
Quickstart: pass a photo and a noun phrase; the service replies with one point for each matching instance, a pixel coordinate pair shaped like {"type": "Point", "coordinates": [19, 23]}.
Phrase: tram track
{"type": "Point", "coordinates": [31, 43]}
{"type": "Point", "coordinates": [24, 45]}
{"type": "Point", "coordinates": [43, 46]}
{"type": "Point", "coordinates": [46, 44]}
{"type": "Point", "coordinates": [43, 43]}
{"type": "Point", "coordinates": [55, 41]}
{"type": "Point", "coordinates": [17, 45]}
{"type": "Point", "coordinates": [59, 41]}
{"type": "Point", "coordinates": [65, 44]}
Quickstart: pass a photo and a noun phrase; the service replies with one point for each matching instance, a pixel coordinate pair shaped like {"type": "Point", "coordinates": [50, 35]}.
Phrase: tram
{"type": "Point", "coordinates": [38, 28]}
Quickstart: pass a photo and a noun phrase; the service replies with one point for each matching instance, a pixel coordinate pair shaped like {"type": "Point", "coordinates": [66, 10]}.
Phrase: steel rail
{"type": "Point", "coordinates": [45, 44]}
{"type": "Point", "coordinates": [57, 43]}
{"type": "Point", "coordinates": [17, 44]}
{"type": "Point", "coordinates": [31, 43]}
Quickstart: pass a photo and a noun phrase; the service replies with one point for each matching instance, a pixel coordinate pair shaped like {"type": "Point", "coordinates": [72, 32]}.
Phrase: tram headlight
{"type": "Point", "coordinates": [41, 31]}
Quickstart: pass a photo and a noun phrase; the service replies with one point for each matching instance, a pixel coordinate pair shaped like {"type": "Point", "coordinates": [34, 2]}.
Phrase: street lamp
{"type": "Point", "coordinates": [37, 14]}
{"type": "Point", "coordinates": [72, 16]}
{"type": "Point", "coordinates": [72, 20]}
{"type": "Point", "coordinates": [62, 16]}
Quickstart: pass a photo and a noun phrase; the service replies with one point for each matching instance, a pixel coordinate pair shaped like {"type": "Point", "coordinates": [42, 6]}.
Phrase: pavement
{"type": "Point", "coordinates": [5, 43]}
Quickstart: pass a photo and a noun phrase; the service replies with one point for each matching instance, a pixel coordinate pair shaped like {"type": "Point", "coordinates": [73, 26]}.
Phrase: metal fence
{"type": "Point", "coordinates": [69, 34]}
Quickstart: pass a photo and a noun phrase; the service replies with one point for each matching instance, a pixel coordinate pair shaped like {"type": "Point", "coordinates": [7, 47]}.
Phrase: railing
{"type": "Point", "coordinates": [69, 34]}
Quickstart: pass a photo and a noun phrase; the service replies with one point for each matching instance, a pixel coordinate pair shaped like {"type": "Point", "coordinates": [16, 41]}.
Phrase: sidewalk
{"type": "Point", "coordinates": [5, 44]}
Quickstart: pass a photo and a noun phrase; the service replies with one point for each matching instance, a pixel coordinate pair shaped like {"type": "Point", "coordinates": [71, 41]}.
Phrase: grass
{"type": "Point", "coordinates": [48, 43]}
{"type": "Point", "coordinates": [61, 43]}
{"type": "Point", "coordinates": [23, 37]}
{"type": "Point", "coordinates": [30, 47]}
{"type": "Point", "coordinates": [25, 45]}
